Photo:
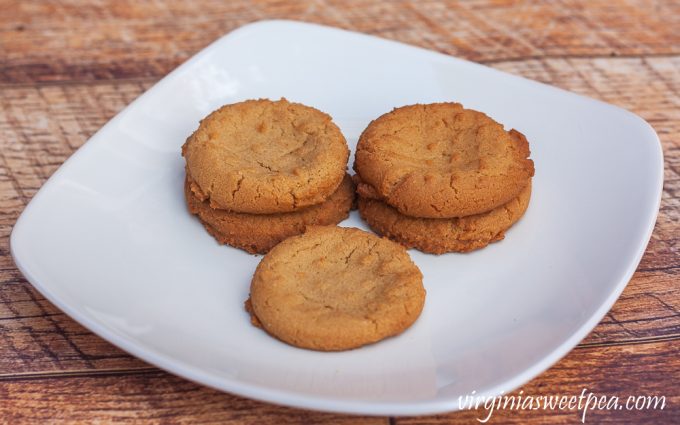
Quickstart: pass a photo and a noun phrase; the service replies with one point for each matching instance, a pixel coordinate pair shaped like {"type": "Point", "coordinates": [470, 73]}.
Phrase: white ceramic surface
{"type": "Point", "coordinates": [109, 241]}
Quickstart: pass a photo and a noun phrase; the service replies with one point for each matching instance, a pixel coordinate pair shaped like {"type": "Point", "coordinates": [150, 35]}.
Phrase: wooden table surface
{"type": "Point", "coordinates": [68, 67]}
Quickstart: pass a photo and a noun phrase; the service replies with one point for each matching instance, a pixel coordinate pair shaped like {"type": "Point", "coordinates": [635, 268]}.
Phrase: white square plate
{"type": "Point", "coordinates": [109, 241]}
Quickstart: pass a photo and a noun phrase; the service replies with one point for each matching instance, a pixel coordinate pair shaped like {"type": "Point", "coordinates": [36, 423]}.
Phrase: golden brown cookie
{"type": "Point", "coordinates": [336, 288]}
{"type": "Point", "coordinates": [441, 160]}
{"type": "Point", "coordinates": [258, 233]}
{"type": "Point", "coordinates": [263, 157]}
{"type": "Point", "coordinates": [441, 235]}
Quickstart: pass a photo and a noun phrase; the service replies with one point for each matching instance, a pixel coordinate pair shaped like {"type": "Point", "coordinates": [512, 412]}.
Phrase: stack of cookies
{"type": "Point", "coordinates": [260, 171]}
{"type": "Point", "coordinates": [441, 178]}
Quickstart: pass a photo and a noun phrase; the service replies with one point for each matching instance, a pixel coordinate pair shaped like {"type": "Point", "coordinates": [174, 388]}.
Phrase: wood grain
{"type": "Point", "coordinates": [157, 397]}
{"type": "Point", "coordinates": [67, 67]}
{"type": "Point", "coordinates": [151, 397]}
{"type": "Point", "coordinates": [73, 40]}
{"type": "Point", "coordinates": [621, 371]}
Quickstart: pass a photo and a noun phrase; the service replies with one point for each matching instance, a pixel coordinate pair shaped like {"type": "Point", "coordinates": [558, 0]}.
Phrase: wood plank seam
{"type": "Point", "coordinates": [497, 60]}
{"type": "Point", "coordinates": [78, 373]}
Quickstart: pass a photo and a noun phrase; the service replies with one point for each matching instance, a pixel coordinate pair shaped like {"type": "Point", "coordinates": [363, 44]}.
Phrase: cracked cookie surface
{"type": "Point", "coordinates": [263, 157]}
{"type": "Point", "coordinates": [258, 233]}
{"type": "Point", "coordinates": [441, 235]}
{"type": "Point", "coordinates": [335, 288]}
{"type": "Point", "coordinates": [440, 160]}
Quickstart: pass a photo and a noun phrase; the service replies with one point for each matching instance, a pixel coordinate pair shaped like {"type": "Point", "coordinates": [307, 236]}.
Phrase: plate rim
{"type": "Point", "coordinates": [306, 401]}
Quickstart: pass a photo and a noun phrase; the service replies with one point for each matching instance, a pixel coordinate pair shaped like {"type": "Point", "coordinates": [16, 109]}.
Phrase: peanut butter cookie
{"type": "Point", "coordinates": [258, 233]}
{"type": "Point", "coordinates": [336, 288]}
{"type": "Point", "coordinates": [441, 161]}
{"type": "Point", "coordinates": [263, 157]}
{"type": "Point", "coordinates": [441, 235]}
